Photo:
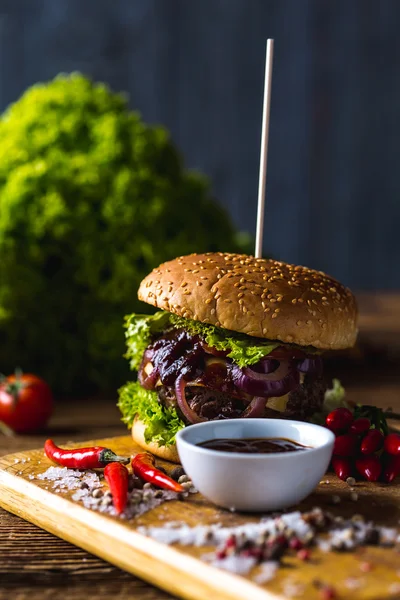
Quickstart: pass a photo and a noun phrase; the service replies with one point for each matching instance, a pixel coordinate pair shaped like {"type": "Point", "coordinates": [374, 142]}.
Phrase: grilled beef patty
{"type": "Point", "coordinates": [210, 404]}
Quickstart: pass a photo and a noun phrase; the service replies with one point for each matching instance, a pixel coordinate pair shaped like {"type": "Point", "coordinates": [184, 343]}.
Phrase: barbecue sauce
{"type": "Point", "coordinates": [253, 445]}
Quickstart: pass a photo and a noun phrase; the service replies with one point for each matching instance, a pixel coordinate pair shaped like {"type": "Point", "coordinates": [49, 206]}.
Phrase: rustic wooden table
{"type": "Point", "coordinates": [39, 566]}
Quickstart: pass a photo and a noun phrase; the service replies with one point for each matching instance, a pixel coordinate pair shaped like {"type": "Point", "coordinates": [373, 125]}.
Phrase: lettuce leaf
{"type": "Point", "coordinates": [140, 329]}
{"type": "Point", "coordinates": [162, 424]}
{"type": "Point", "coordinates": [334, 396]}
{"type": "Point", "coordinates": [243, 349]}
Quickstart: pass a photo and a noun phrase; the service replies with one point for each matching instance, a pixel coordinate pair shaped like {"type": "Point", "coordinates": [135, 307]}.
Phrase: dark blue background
{"type": "Point", "coordinates": [197, 66]}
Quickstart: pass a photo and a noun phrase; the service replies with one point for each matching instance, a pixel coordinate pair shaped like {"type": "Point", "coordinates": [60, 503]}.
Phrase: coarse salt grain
{"type": "Point", "coordinates": [235, 564]}
{"type": "Point", "coordinates": [266, 572]}
{"type": "Point", "coordinates": [354, 583]}
{"type": "Point", "coordinates": [215, 534]}
{"type": "Point", "coordinates": [394, 588]}
{"type": "Point", "coordinates": [338, 533]}
{"type": "Point", "coordinates": [293, 589]}
{"type": "Point", "coordinates": [84, 484]}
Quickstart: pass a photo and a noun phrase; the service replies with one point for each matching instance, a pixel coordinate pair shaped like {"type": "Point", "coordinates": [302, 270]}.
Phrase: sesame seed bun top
{"type": "Point", "coordinates": [256, 296]}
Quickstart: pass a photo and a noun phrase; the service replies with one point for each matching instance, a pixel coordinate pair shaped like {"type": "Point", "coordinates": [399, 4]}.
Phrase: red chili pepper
{"type": "Point", "coordinates": [392, 444]}
{"type": "Point", "coordinates": [360, 426]}
{"type": "Point", "coordinates": [342, 467]}
{"type": "Point", "coordinates": [143, 466]}
{"type": "Point", "coordinates": [117, 477]}
{"type": "Point", "coordinates": [339, 420]}
{"type": "Point", "coordinates": [95, 457]}
{"type": "Point", "coordinates": [391, 467]}
{"type": "Point", "coordinates": [345, 445]}
{"type": "Point", "coordinates": [369, 467]}
{"type": "Point", "coordinates": [372, 442]}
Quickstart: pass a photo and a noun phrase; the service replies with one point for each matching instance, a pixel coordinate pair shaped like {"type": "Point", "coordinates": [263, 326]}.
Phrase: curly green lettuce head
{"type": "Point", "coordinates": [91, 199]}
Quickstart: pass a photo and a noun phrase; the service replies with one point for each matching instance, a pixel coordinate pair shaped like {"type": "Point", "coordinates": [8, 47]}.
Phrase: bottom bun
{"type": "Point", "coordinates": [166, 452]}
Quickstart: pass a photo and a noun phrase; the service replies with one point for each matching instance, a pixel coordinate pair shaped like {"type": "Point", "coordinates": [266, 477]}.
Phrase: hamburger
{"type": "Point", "coordinates": [233, 337]}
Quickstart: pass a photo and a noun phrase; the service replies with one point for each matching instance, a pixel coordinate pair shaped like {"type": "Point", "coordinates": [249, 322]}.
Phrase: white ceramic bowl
{"type": "Point", "coordinates": [255, 482]}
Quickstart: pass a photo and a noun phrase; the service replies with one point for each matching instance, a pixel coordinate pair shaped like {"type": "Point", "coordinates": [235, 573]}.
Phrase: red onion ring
{"type": "Point", "coordinates": [148, 382]}
{"type": "Point", "coordinates": [266, 365]}
{"type": "Point", "coordinates": [255, 409]}
{"type": "Point", "coordinates": [310, 365]}
{"type": "Point", "coordinates": [278, 383]}
{"type": "Point", "coordinates": [191, 416]}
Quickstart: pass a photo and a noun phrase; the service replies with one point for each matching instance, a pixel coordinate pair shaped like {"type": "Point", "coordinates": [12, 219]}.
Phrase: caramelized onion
{"type": "Point", "coordinates": [191, 416]}
{"type": "Point", "coordinates": [148, 381]}
{"type": "Point", "coordinates": [310, 365]}
{"type": "Point", "coordinates": [255, 409]}
{"type": "Point", "coordinates": [278, 383]}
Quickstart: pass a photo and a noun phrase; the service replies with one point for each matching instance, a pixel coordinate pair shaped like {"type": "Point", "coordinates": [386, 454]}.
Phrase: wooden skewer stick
{"type": "Point", "coordinates": [264, 149]}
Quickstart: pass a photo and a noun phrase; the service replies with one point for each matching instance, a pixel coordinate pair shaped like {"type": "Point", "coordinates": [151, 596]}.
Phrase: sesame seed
{"type": "Point", "coordinates": [240, 295]}
{"type": "Point", "coordinates": [274, 316]}
{"type": "Point", "coordinates": [299, 323]}
{"type": "Point", "coordinates": [184, 284]}
{"type": "Point", "coordinates": [199, 283]}
{"type": "Point", "coordinates": [208, 301]}
{"type": "Point", "coordinates": [213, 311]}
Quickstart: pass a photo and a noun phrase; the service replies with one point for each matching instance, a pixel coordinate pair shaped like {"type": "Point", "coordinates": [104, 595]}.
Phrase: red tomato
{"type": "Point", "coordinates": [26, 402]}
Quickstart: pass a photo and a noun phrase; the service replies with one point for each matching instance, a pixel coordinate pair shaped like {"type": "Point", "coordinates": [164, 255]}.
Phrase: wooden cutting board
{"type": "Point", "coordinates": [180, 570]}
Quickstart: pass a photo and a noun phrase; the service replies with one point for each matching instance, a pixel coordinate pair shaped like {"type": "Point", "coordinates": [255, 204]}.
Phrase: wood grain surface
{"type": "Point", "coordinates": [36, 565]}
{"type": "Point", "coordinates": [180, 569]}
